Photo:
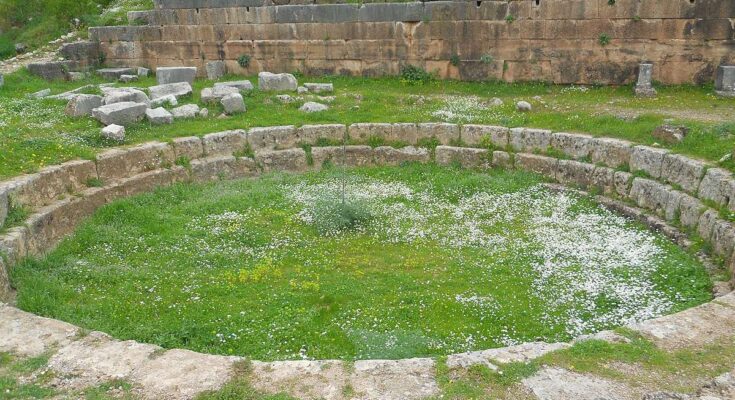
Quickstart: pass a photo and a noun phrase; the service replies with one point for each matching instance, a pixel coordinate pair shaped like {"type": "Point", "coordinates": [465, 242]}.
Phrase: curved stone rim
{"type": "Point", "coordinates": [63, 195]}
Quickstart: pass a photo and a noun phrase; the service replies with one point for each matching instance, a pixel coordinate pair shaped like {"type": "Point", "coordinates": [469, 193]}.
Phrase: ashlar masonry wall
{"type": "Point", "coordinates": [561, 41]}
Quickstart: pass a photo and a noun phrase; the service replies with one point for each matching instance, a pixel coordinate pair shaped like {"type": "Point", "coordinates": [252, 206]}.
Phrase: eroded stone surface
{"type": "Point", "coordinates": [29, 335]}
{"type": "Point", "coordinates": [467, 157]}
{"type": "Point", "coordinates": [394, 379]}
{"type": "Point", "coordinates": [386, 155]}
{"type": "Point", "coordinates": [309, 134]}
{"type": "Point", "coordinates": [301, 379]}
{"type": "Point", "coordinates": [476, 134]}
{"type": "Point", "coordinates": [559, 384]}
{"type": "Point", "coordinates": [647, 159]}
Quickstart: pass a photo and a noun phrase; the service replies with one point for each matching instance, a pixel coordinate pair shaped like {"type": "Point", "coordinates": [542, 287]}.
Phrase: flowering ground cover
{"type": "Point", "coordinates": [421, 260]}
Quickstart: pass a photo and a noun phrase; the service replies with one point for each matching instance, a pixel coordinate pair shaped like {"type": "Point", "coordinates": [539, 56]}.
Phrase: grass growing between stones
{"type": "Point", "coordinates": [439, 261]}
{"type": "Point", "coordinates": [35, 133]}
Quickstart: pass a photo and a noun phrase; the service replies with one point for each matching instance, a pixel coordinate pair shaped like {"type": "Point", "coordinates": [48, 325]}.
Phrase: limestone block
{"type": "Point", "coordinates": [28, 335]}
{"type": "Point", "coordinates": [364, 131]}
{"type": "Point", "coordinates": [319, 87]}
{"type": "Point", "coordinates": [354, 156]}
{"type": "Point", "coordinates": [14, 244]}
{"type": "Point", "coordinates": [233, 103]}
{"type": "Point", "coordinates": [657, 197]}
{"type": "Point", "coordinates": [529, 140]}
{"type": "Point", "coordinates": [224, 143]}
{"type": "Point", "coordinates": [706, 224]}
{"type": "Point", "coordinates": [386, 155]}
{"type": "Point", "coordinates": [243, 86]}
{"type": "Point", "coordinates": [120, 163]}
{"type": "Point", "coordinates": [683, 171]}
{"type": "Point", "coordinates": [119, 95]}
{"type": "Point", "coordinates": [222, 167]}
{"type": "Point", "coordinates": [502, 159]}
{"type": "Point", "coordinates": [717, 186]}
{"type": "Point", "coordinates": [114, 73]}
{"type": "Point", "coordinates": [690, 211]}
{"type": "Point", "coordinates": [576, 173]}
{"type": "Point", "coordinates": [178, 89]}
{"type": "Point", "coordinates": [81, 105]}
{"type": "Point", "coordinates": [603, 178]}
{"type": "Point", "coordinates": [215, 69]}
{"type": "Point", "coordinates": [444, 132]}
{"type": "Point", "coordinates": [473, 135]}
{"type": "Point", "coordinates": [166, 75]}
{"type": "Point", "coordinates": [292, 160]}
{"type": "Point", "coordinates": [310, 134]}
{"type": "Point", "coordinates": [467, 157]}
{"type": "Point", "coordinates": [188, 147]}
{"type": "Point", "coordinates": [276, 82]}
{"type": "Point", "coordinates": [648, 159]}
{"type": "Point", "coordinates": [393, 379]}
{"type": "Point", "coordinates": [545, 166]}
{"type": "Point", "coordinates": [573, 145]}
{"type": "Point", "coordinates": [150, 180]}
{"type": "Point", "coordinates": [404, 133]}
{"type": "Point", "coordinates": [611, 152]}
{"type": "Point", "coordinates": [185, 111]}
{"type": "Point", "coordinates": [159, 116]}
{"type": "Point", "coordinates": [124, 113]}
{"type": "Point", "coordinates": [272, 137]}
{"type": "Point", "coordinates": [723, 238]}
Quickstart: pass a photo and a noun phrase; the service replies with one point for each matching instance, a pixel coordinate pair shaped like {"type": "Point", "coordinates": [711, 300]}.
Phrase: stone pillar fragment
{"type": "Point", "coordinates": [725, 81]}
{"type": "Point", "coordinates": [644, 88]}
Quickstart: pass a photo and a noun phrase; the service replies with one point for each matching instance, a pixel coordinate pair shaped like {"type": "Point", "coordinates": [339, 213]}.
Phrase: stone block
{"type": "Point", "coordinates": [116, 164]}
{"type": "Point", "coordinates": [177, 90]}
{"type": "Point", "coordinates": [242, 86]}
{"type": "Point", "coordinates": [114, 73]}
{"type": "Point", "coordinates": [215, 94]}
{"type": "Point", "coordinates": [319, 87]}
{"type": "Point", "coordinates": [467, 157]}
{"type": "Point", "coordinates": [725, 80]}
{"type": "Point", "coordinates": [648, 159]}
{"type": "Point", "coordinates": [386, 155]}
{"type": "Point", "coordinates": [222, 167]}
{"type": "Point", "coordinates": [404, 133]}
{"type": "Point", "coordinates": [215, 70]}
{"type": "Point", "coordinates": [5, 289]}
{"type": "Point", "coordinates": [185, 111]}
{"type": "Point", "coordinates": [573, 145]}
{"type": "Point", "coordinates": [575, 173]}
{"type": "Point", "coordinates": [292, 160]}
{"type": "Point", "coordinates": [190, 147]}
{"type": "Point", "coordinates": [445, 133]}
{"type": "Point", "coordinates": [717, 186]}
{"type": "Point", "coordinates": [52, 70]}
{"type": "Point", "coordinates": [365, 131]}
{"type": "Point", "coordinates": [683, 171]}
{"type": "Point", "coordinates": [529, 140]}
{"type": "Point", "coordinates": [114, 132]}
{"type": "Point", "coordinates": [4, 204]}
{"type": "Point", "coordinates": [690, 211]}
{"type": "Point", "coordinates": [545, 166]}
{"type": "Point", "coordinates": [120, 95]}
{"type": "Point", "coordinates": [706, 223]}
{"type": "Point", "coordinates": [657, 197]}
{"type": "Point", "coordinates": [502, 159]}
{"type": "Point", "coordinates": [310, 134]}
{"type": "Point", "coordinates": [277, 82]}
{"type": "Point", "coordinates": [270, 138]}
{"type": "Point", "coordinates": [353, 156]}
{"type": "Point", "coordinates": [49, 224]}
{"type": "Point", "coordinates": [159, 116]}
{"type": "Point", "coordinates": [603, 178]}
{"type": "Point", "coordinates": [473, 135]}
{"type": "Point", "coordinates": [723, 238]}
{"type": "Point", "coordinates": [224, 143]}
{"type": "Point", "coordinates": [51, 183]}
{"type": "Point", "coordinates": [124, 113]}
{"type": "Point", "coordinates": [611, 152]}
{"type": "Point", "coordinates": [166, 75]}
{"type": "Point", "coordinates": [14, 244]}
{"type": "Point", "coordinates": [233, 103]}
{"type": "Point", "coordinates": [81, 105]}
{"type": "Point", "coordinates": [150, 180]}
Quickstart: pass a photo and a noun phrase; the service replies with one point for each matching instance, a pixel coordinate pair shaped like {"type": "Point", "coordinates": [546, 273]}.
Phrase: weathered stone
{"type": "Point", "coordinates": [573, 145]}
{"type": "Point", "coordinates": [166, 75]}
{"type": "Point", "coordinates": [115, 164]}
{"type": "Point", "coordinates": [285, 99]}
{"type": "Point", "coordinates": [124, 113]}
{"type": "Point", "coordinates": [683, 171]}
{"type": "Point", "coordinates": [706, 224]}
{"type": "Point", "coordinates": [670, 134]}
{"type": "Point", "coordinates": [312, 107]}
{"type": "Point", "coordinates": [186, 111]}
{"type": "Point", "coordinates": [165, 100]}
{"type": "Point", "coordinates": [302, 90]}
{"type": "Point", "coordinates": [611, 152]}
{"type": "Point", "coordinates": [68, 95]}
{"type": "Point", "coordinates": [445, 133]}
{"type": "Point", "coordinates": [717, 186]}
{"type": "Point", "coordinates": [522, 353]}
{"type": "Point", "coordinates": [690, 210]}
{"type": "Point", "coordinates": [6, 292]}
{"type": "Point", "coordinates": [648, 159]}
{"type": "Point", "coordinates": [365, 131]}
{"type": "Point", "coordinates": [177, 90]}
{"type": "Point", "coordinates": [539, 164]}
{"type": "Point", "coordinates": [644, 87]}
{"type": "Point", "coordinates": [128, 78]}
{"type": "Point", "coordinates": [386, 155]}
{"type": "Point", "coordinates": [310, 134]}
{"type": "Point", "coordinates": [52, 70]}
{"type": "Point", "coordinates": [319, 87]}
{"type": "Point", "coordinates": [143, 72]}
{"type": "Point", "coordinates": [603, 178]}
{"type": "Point", "coordinates": [114, 73]}
{"type": "Point", "coordinates": [394, 379]}
{"type": "Point", "coordinates": [28, 335]}
{"type": "Point", "coordinates": [292, 160]}
{"type": "Point", "coordinates": [204, 113]}
{"type": "Point", "coordinates": [524, 139]}
{"type": "Point", "coordinates": [4, 203]}
{"type": "Point", "coordinates": [404, 133]}
{"type": "Point", "coordinates": [188, 147]}
{"type": "Point", "coordinates": [159, 116]}
{"type": "Point", "coordinates": [474, 135]}
{"type": "Point", "coordinates": [224, 143]}
{"type": "Point", "coordinates": [215, 70]}
{"type": "Point", "coordinates": [301, 379]}
{"type": "Point", "coordinates": [557, 383]}
{"type": "Point", "coordinates": [114, 132]}
{"type": "Point", "coordinates": [354, 156]}
{"type": "Point", "coordinates": [576, 173]}
{"type": "Point", "coordinates": [233, 103]}
{"type": "Point", "coordinates": [82, 105]}
{"type": "Point", "coordinates": [523, 106]}
{"type": "Point", "coordinates": [243, 85]}
{"type": "Point", "coordinates": [467, 157]}
{"type": "Point", "coordinates": [654, 196]}
{"type": "Point", "coordinates": [215, 94]}
{"type": "Point", "coordinates": [276, 82]}
{"type": "Point", "coordinates": [723, 238]}
{"type": "Point", "coordinates": [222, 167]}
{"type": "Point", "coordinates": [182, 374]}
{"type": "Point", "coordinates": [502, 159]}
{"type": "Point", "coordinates": [120, 95]}
{"type": "Point", "coordinates": [725, 81]}
{"type": "Point", "coordinates": [272, 137]}
{"type": "Point", "coordinates": [40, 94]}
{"type": "Point", "coordinates": [14, 244]}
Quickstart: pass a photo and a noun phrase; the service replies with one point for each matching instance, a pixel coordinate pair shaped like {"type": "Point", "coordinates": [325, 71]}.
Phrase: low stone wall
{"type": "Point", "coordinates": [685, 192]}
{"type": "Point", "coordinates": [561, 41]}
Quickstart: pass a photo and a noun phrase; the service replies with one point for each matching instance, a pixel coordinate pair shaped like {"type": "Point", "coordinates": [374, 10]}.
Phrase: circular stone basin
{"type": "Point", "coordinates": [419, 261]}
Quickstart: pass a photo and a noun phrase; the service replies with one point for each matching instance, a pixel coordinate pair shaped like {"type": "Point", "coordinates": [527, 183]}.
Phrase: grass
{"type": "Point", "coordinates": [36, 133]}
{"type": "Point", "coordinates": [449, 260]}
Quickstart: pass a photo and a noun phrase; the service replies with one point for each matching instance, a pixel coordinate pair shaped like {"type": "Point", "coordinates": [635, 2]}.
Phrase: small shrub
{"type": "Point", "coordinates": [454, 60]}
{"type": "Point", "coordinates": [183, 161]}
{"type": "Point", "coordinates": [604, 39]}
{"type": "Point", "coordinates": [414, 75]}
{"type": "Point", "coordinates": [487, 59]}
{"type": "Point", "coordinates": [510, 18]}
{"type": "Point", "coordinates": [610, 2]}
{"type": "Point", "coordinates": [244, 60]}
{"type": "Point", "coordinates": [333, 216]}
{"type": "Point", "coordinates": [246, 151]}
{"type": "Point", "coordinates": [94, 182]}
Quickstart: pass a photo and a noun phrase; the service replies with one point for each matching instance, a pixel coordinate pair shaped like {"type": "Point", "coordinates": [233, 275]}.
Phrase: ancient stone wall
{"type": "Point", "coordinates": [562, 41]}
